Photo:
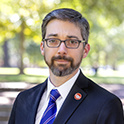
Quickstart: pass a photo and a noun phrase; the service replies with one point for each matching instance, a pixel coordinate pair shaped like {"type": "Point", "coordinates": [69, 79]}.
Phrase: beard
{"type": "Point", "coordinates": [62, 69]}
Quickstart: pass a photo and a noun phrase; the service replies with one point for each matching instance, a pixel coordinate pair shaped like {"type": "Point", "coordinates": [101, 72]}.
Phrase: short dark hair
{"type": "Point", "coordinates": [70, 15]}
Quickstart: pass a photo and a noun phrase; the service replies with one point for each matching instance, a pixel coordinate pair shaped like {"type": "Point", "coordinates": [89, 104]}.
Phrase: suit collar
{"type": "Point", "coordinates": [82, 81]}
{"type": "Point", "coordinates": [71, 103]}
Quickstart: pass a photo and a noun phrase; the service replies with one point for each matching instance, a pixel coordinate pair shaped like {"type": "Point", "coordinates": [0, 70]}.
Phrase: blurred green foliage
{"type": "Point", "coordinates": [23, 78]}
{"type": "Point", "coordinates": [40, 79]}
{"type": "Point", "coordinates": [20, 22]}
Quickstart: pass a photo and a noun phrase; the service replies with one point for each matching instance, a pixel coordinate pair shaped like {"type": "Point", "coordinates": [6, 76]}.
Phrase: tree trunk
{"type": "Point", "coordinates": [6, 54]}
{"type": "Point", "coordinates": [22, 39]}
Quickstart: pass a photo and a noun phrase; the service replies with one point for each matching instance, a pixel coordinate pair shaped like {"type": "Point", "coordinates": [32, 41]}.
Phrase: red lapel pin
{"type": "Point", "coordinates": [77, 96]}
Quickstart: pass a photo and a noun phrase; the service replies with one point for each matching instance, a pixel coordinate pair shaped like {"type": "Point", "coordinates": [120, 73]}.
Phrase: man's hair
{"type": "Point", "coordinates": [70, 15]}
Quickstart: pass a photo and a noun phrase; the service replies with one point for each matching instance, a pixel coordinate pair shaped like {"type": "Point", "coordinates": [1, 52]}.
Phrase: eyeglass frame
{"type": "Point", "coordinates": [79, 41]}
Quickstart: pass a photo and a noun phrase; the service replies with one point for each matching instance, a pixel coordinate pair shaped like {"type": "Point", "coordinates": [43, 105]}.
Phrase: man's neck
{"type": "Point", "coordinates": [59, 80]}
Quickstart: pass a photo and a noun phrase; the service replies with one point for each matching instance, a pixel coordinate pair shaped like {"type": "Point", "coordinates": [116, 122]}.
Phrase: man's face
{"type": "Point", "coordinates": [62, 60]}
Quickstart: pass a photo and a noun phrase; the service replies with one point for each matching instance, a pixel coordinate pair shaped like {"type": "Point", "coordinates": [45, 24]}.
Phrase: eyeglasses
{"type": "Point", "coordinates": [69, 43]}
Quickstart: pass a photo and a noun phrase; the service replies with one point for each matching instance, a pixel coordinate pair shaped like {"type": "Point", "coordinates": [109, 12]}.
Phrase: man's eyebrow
{"type": "Point", "coordinates": [71, 36]}
{"type": "Point", "coordinates": [55, 35]}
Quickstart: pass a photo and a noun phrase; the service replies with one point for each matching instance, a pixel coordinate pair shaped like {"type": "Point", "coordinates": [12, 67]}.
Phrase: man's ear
{"type": "Point", "coordinates": [86, 50]}
{"type": "Point", "coordinates": [42, 48]}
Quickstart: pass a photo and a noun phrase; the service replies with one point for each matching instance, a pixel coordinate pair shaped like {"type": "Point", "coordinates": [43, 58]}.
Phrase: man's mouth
{"type": "Point", "coordinates": [62, 61]}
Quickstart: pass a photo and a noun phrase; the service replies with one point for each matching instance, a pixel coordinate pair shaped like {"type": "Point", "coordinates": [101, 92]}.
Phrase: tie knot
{"type": "Point", "coordinates": [54, 94]}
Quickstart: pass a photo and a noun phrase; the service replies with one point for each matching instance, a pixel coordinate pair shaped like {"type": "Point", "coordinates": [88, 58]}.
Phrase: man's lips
{"type": "Point", "coordinates": [62, 61]}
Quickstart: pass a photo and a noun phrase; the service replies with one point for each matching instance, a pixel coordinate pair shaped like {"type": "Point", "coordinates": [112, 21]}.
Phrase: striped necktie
{"type": "Point", "coordinates": [50, 112]}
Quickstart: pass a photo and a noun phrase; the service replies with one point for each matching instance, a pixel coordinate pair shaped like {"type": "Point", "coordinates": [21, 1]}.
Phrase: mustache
{"type": "Point", "coordinates": [62, 57]}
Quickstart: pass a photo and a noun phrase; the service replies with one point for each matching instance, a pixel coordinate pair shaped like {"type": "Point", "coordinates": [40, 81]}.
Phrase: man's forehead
{"type": "Point", "coordinates": [65, 29]}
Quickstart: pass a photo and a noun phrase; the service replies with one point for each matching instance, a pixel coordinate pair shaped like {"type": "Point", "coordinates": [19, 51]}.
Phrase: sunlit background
{"type": "Point", "coordinates": [20, 37]}
{"type": "Point", "coordinates": [21, 62]}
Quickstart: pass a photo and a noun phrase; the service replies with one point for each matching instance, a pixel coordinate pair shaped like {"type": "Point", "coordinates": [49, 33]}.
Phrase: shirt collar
{"type": "Point", "coordinates": [64, 88]}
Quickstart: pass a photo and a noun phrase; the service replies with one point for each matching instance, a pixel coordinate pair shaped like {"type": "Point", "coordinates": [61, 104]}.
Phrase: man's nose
{"type": "Point", "coordinates": [62, 48]}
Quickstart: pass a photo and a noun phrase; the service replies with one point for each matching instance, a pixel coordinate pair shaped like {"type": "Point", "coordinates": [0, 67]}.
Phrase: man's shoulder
{"type": "Point", "coordinates": [32, 91]}
{"type": "Point", "coordinates": [98, 92]}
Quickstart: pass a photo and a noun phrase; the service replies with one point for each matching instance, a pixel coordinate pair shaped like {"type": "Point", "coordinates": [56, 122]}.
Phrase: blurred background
{"type": "Point", "coordinates": [20, 35]}
{"type": "Point", "coordinates": [21, 63]}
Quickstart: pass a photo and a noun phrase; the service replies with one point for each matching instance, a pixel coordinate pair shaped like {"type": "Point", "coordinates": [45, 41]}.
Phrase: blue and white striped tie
{"type": "Point", "coordinates": [50, 112]}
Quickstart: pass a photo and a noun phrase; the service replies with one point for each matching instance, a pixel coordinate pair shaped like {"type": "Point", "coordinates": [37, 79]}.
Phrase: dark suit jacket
{"type": "Point", "coordinates": [97, 106]}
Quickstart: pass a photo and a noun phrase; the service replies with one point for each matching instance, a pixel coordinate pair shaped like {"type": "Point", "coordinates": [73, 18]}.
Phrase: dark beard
{"type": "Point", "coordinates": [66, 70]}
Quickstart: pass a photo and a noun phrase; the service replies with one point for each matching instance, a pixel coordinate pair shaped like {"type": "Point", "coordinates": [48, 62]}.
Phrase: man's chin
{"type": "Point", "coordinates": [61, 71]}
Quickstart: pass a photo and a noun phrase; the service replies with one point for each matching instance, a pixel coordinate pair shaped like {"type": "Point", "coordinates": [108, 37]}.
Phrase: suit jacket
{"type": "Point", "coordinates": [95, 106]}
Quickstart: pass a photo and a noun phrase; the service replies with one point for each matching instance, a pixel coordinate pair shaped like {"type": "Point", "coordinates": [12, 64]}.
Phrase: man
{"type": "Point", "coordinates": [79, 100]}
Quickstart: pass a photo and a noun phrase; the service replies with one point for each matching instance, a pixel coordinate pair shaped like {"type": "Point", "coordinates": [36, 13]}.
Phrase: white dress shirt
{"type": "Point", "coordinates": [63, 90]}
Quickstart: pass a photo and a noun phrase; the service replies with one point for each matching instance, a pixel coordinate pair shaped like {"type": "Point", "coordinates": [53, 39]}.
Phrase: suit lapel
{"type": "Point", "coordinates": [71, 103]}
{"type": "Point", "coordinates": [33, 102]}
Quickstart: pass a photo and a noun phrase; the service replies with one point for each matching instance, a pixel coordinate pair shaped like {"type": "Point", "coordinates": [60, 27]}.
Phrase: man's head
{"type": "Point", "coordinates": [65, 36]}
{"type": "Point", "coordinates": [67, 15]}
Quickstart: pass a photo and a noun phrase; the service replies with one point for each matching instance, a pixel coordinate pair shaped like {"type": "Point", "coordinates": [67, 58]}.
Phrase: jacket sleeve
{"type": "Point", "coordinates": [13, 113]}
{"type": "Point", "coordinates": [111, 112]}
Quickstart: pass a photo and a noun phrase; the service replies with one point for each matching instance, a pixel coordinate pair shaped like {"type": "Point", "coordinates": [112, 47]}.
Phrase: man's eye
{"type": "Point", "coordinates": [73, 41]}
{"type": "Point", "coordinates": [52, 41]}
